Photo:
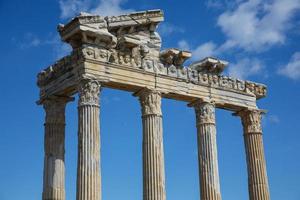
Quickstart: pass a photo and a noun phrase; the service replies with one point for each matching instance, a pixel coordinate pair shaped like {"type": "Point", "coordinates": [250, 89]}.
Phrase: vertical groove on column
{"type": "Point", "coordinates": [54, 162]}
{"type": "Point", "coordinates": [256, 164]}
{"type": "Point", "coordinates": [258, 183]}
{"type": "Point", "coordinates": [153, 152]}
{"type": "Point", "coordinates": [88, 169]}
{"type": "Point", "coordinates": [154, 177]}
{"type": "Point", "coordinates": [207, 151]}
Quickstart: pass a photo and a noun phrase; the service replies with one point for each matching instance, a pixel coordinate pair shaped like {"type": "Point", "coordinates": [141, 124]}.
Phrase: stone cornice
{"type": "Point", "coordinates": [135, 19]}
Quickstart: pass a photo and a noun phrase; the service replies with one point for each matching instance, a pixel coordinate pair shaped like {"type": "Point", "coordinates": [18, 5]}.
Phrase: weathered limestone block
{"type": "Point", "coordinates": [207, 151]}
{"type": "Point", "coordinates": [174, 56]}
{"type": "Point", "coordinates": [88, 168]}
{"type": "Point", "coordinates": [256, 164]}
{"type": "Point", "coordinates": [87, 29]}
{"type": "Point", "coordinates": [137, 36]}
{"type": "Point", "coordinates": [209, 65]}
{"type": "Point", "coordinates": [54, 146]}
{"type": "Point", "coordinates": [153, 151]}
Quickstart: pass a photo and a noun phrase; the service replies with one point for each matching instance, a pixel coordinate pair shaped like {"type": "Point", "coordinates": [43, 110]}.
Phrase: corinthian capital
{"type": "Point", "coordinates": [88, 92]}
{"type": "Point", "coordinates": [205, 112]}
{"type": "Point", "coordinates": [251, 120]}
{"type": "Point", "coordinates": [150, 102]}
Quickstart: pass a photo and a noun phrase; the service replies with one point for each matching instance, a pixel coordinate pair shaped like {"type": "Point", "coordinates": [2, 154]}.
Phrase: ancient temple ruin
{"type": "Point", "coordinates": [124, 52]}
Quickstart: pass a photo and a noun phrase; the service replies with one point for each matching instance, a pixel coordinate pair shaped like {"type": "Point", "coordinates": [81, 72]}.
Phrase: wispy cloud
{"type": "Point", "coordinates": [201, 51]}
{"type": "Point", "coordinates": [69, 8]}
{"type": "Point", "coordinates": [221, 4]}
{"type": "Point", "coordinates": [274, 119]}
{"type": "Point", "coordinates": [59, 48]}
{"type": "Point", "coordinates": [246, 67]}
{"type": "Point", "coordinates": [270, 120]}
{"type": "Point", "coordinates": [292, 69]}
{"type": "Point", "coordinates": [110, 7]}
{"type": "Point", "coordinates": [166, 29]}
{"type": "Point", "coordinates": [31, 40]}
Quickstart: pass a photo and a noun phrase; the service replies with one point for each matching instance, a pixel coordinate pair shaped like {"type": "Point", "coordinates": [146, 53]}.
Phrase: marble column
{"type": "Point", "coordinates": [153, 151]}
{"type": "Point", "coordinates": [88, 166]}
{"type": "Point", "coordinates": [207, 151]}
{"type": "Point", "coordinates": [54, 147]}
{"type": "Point", "coordinates": [256, 164]}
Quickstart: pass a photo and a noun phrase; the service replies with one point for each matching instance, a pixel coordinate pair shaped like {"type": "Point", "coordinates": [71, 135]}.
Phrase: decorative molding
{"type": "Point", "coordinates": [89, 91]}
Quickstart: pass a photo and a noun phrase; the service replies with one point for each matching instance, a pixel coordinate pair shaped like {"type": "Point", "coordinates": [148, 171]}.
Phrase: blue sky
{"type": "Point", "coordinates": [259, 38]}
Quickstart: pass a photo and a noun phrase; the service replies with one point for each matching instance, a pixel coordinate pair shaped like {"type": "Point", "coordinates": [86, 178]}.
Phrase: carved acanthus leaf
{"type": "Point", "coordinates": [150, 102]}
{"type": "Point", "coordinates": [88, 92]}
{"type": "Point", "coordinates": [205, 113]}
{"type": "Point", "coordinates": [251, 120]}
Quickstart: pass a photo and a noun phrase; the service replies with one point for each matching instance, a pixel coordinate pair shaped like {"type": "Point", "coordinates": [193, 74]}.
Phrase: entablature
{"type": "Point", "coordinates": [124, 52]}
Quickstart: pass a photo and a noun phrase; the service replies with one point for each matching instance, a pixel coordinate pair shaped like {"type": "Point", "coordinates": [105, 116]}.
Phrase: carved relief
{"type": "Point", "coordinates": [203, 79]}
{"type": "Point", "coordinates": [205, 113]}
{"type": "Point", "coordinates": [150, 102]}
{"type": "Point", "coordinates": [193, 76]}
{"type": "Point", "coordinates": [182, 73]}
{"type": "Point", "coordinates": [96, 53]}
{"type": "Point", "coordinates": [88, 92]}
{"type": "Point", "coordinates": [251, 120]}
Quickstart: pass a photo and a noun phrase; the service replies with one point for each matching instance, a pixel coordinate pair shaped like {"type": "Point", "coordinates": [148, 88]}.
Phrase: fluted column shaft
{"type": "Point", "coordinates": [153, 151]}
{"type": "Point", "coordinates": [88, 167]}
{"type": "Point", "coordinates": [256, 164]}
{"type": "Point", "coordinates": [207, 151]}
{"type": "Point", "coordinates": [54, 147]}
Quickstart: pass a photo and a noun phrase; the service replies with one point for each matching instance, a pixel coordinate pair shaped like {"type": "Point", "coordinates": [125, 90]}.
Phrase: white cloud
{"type": "Point", "coordinates": [110, 7]}
{"type": "Point", "coordinates": [69, 8]}
{"type": "Point", "coordinates": [204, 50]}
{"type": "Point", "coordinates": [201, 51]}
{"type": "Point", "coordinates": [59, 48]}
{"type": "Point", "coordinates": [250, 26]}
{"type": "Point", "coordinates": [183, 44]}
{"type": "Point", "coordinates": [256, 25]}
{"type": "Point", "coordinates": [245, 67]}
{"type": "Point", "coordinates": [292, 69]}
{"type": "Point", "coordinates": [166, 29]}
